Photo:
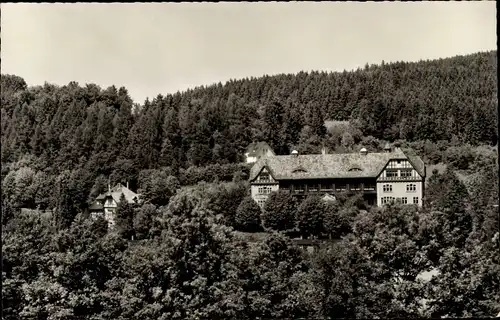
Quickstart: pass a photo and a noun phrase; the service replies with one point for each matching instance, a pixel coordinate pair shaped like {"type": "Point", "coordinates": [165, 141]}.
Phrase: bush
{"type": "Point", "coordinates": [143, 221]}
{"type": "Point", "coordinates": [248, 216]}
{"type": "Point", "coordinates": [459, 157]}
{"type": "Point", "coordinates": [310, 216]}
{"type": "Point", "coordinates": [279, 212]}
{"type": "Point", "coordinates": [338, 221]}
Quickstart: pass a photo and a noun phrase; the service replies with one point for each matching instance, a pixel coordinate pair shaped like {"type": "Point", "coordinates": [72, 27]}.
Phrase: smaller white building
{"type": "Point", "coordinates": [257, 150]}
{"type": "Point", "coordinates": [105, 204]}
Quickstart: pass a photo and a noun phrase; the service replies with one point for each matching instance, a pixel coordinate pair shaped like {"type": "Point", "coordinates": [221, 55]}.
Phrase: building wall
{"type": "Point", "coordinates": [399, 190]}
{"type": "Point", "coordinates": [259, 196]}
{"type": "Point", "coordinates": [251, 159]}
{"type": "Point", "coordinates": [261, 189]}
{"type": "Point", "coordinates": [109, 211]}
{"type": "Point", "coordinates": [266, 152]}
{"type": "Point", "coordinates": [392, 177]}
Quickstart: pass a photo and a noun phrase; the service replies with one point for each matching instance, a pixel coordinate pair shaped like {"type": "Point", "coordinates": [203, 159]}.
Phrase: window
{"type": "Point", "coordinates": [264, 176]}
{"type": "Point", "coordinates": [406, 164]}
{"type": "Point", "coordinates": [313, 188]}
{"type": "Point", "coordinates": [391, 165]}
{"type": "Point", "coordinates": [340, 187]}
{"type": "Point", "coordinates": [261, 203]}
{"type": "Point", "coordinates": [387, 188]}
{"type": "Point", "coordinates": [415, 200]}
{"type": "Point", "coordinates": [299, 188]}
{"type": "Point", "coordinates": [355, 187]}
{"type": "Point", "coordinates": [299, 170]}
{"type": "Point", "coordinates": [411, 187]}
{"type": "Point", "coordinates": [404, 200]}
{"type": "Point", "coordinates": [386, 200]}
{"type": "Point", "coordinates": [265, 190]}
{"type": "Point", "coordinates": [391, 173]}
{"type": "Point", "coordinates": [405, 173]}
{"type": "Point", "coordinates": [369, 187]}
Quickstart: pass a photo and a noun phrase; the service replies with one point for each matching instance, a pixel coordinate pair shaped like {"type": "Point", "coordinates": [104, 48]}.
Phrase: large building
{"type": "Point", "coordinates": [381, 177]}
{"type": "Point", "coordinates": [257, 150]}
{"type": "Point", "coordinates": [105, 204]}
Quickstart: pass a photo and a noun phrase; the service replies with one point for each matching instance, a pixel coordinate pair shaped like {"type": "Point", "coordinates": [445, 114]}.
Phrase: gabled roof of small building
{"type": "Point", "coordinates": [101, 196]}
{"type": "Point", "coordinates": [258, 149]}
{"type": "Point", "coordinates": [117, 191]}
{"type": "Point", "coordinates": [96, 206]}
{"type": "Point", "coordinates": [324, 166]}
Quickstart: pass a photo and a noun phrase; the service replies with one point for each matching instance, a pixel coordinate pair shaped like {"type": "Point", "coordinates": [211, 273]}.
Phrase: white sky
{"type": "Point", "coordinates": [162, 48]}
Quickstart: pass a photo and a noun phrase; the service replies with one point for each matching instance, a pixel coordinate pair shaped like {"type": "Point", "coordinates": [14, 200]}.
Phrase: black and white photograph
{"type": "Point", "coordinates": [249, 160]}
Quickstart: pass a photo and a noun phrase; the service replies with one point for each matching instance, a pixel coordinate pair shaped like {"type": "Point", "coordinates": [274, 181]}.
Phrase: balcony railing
{"type": "Point", "coordinates": [400, 179]}
{"type": "Point", "coordinates": [331, 191]}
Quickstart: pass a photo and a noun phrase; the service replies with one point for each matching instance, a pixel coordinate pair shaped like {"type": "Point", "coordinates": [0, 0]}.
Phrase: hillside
{"type": "Point", "coordinates": [430, 105]}
{"type": "Point", "coordinates": [198, 246]}
{"type": "Point", "coordinates": [434, 100]}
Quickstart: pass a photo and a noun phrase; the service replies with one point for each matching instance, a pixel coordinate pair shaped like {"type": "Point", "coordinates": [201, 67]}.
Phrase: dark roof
{"type": "Point", "coordinates": [257, 149]}
{"type": "Point", "coordinates": [116, 193]}
{"type": "Point", "coordinates": [96, 206]}
{"type": "Point", "coordinates": [323, 166]}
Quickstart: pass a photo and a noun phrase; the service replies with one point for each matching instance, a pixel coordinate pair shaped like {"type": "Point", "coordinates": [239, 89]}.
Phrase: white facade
{"type": "Point", "coordinates": [399, 181]}
{"type": "Point", "coordinates": [110, 210]}
{"type": "Point", "coordinates": [250, 159]}
{"type": "Point", "coordinates": [263, 186]}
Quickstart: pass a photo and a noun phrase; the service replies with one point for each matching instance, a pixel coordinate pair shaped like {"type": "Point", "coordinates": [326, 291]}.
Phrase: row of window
{"type": "Point", "coordinates": [399, 164]}
{"type": "Point", "coordinates": [338, 187]}
{"type": "Point", "coordinates": [265, 190]}
{"type": "Point", "coordinates": [261, 203]}
{"type": "Point", "coordinates": [404, 173]}
{"type": "Point", "coordinates": [409, 187]}
{"type": "Point", "coordinates": [404, 200]}
{"type": "Point", "coordinates": [264, 176]}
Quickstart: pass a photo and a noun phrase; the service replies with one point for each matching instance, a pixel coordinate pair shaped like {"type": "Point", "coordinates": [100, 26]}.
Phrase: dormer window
{"type": "Point", "coordinates": [299, 170]}
{"type": "Point", "coordinates": [355, 169]}
{"type": "Point", "coordinates": [264, 176]}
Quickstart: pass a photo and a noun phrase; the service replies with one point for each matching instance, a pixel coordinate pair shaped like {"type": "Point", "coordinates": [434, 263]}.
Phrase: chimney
{"type": "Point", "coordinates": [323, 150]}
{"type": "Point", "coordinates": [295, 153]}
{"type": "Point", "coordinates": [127, 184]}
{"type": "Point", "coordinates": [363, 151]}
{"type": "Point", "coordinates": [109, 186]}
{"type": "Point", "coordinates": [387, 148]}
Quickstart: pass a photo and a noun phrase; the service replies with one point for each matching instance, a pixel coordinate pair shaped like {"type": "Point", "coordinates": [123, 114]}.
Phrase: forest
{"type": "Point", "coordinates": [199, 247]}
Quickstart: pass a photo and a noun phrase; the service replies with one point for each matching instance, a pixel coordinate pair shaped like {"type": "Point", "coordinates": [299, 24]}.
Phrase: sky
{"type": "Point", "coordinates": [153, 48]}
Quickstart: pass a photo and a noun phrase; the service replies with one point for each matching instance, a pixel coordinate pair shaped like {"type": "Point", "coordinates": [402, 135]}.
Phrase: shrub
{"type": "Point", "coordinates": [279, 212]}
{"type": "Point", "coordinates": [248, 216]}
